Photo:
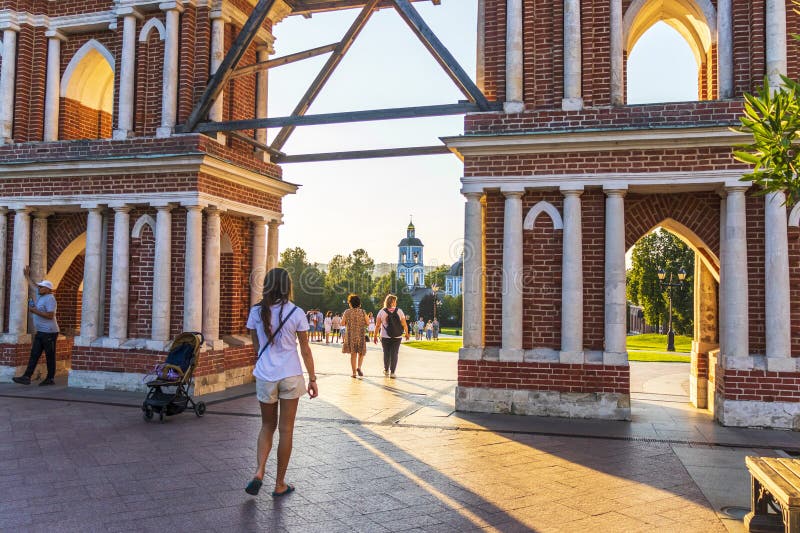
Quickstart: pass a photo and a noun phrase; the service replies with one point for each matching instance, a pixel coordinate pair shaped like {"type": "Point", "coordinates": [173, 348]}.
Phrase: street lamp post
{"type": "Point", "coordinates": [681, 277]}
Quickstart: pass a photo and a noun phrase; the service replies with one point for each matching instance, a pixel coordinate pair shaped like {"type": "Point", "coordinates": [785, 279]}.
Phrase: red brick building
{"type": "Point", "coordinates": [145, 233]}
{"type": "Point", "coordinates": [568, 177]}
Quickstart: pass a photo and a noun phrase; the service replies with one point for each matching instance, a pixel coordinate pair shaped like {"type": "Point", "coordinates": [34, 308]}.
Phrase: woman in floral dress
{"type": "Point", "coordinates": [355, 322]}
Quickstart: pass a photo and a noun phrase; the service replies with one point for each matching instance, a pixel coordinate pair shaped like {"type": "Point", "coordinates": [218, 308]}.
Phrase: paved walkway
{"type": "Point", "coordinates": [371, 454]}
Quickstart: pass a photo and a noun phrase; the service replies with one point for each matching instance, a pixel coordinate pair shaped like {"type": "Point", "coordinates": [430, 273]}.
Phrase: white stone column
{"type": "Point", "coordinates": [259, 260]}
{"type": "Point", "coordinates": [20, 257]}
{"type": "Point", "coordinates": [38, 255]}
{"type": "Point", "coordinates": [572, 56]}
{"type": "Point", "coordinates": [162, 275]}
{"type": "Point", "coordinates": [193, 277]}
{"type": "Point", "coordinates": [272, 244]}
{"type": "Point", "coordinates": [723, 275]}
{"type": "Point", "coordinates": [8, 75]}
{"type": "Point", "coordinates": [169, 99]}
{"type": "Point", "coordinates": [737, 345]}
{"type": "Point", "coordinates": [572, 279]}
{"type": "Point", "coordinates": [514, 58]}
{"type": "Point", "coordinates": [90, 307]}
{"type": "Point", "coordinates": [127, 73]}
{"type": "Point", "coordinates": [473, 278]}
{"type": "Point", "coordinates": [120, 275]}
{"type": "Point", "coordinates": [262, 90]}
{"type": "Point", "coordinates": [3, 259]}
{"type": "Point", "coordinates": [211, 278]}
{"type": "Point", "coordinates": [776, 41]}
{"type": "Point", "coordinates": [512, 322]}
{"type": "Point", "coordinates": [217, 55]}
{"type": "Point", "coordinates": [725, 48]}
{"type": "Point", "coordinates": [617, 54]}
{"type": "Point", "coordinates": [778, 304]}
{"type": "Point", "coordinates": [52, 99]}
{"type": "Point", "coordinates": [616, 351]}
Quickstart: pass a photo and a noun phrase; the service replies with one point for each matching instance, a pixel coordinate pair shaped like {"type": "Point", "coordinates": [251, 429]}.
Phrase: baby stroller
{"type": "Point", "coordinates": [168, 392]}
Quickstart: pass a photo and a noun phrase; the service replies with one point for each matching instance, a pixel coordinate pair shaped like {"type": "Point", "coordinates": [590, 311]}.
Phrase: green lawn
{"type": "Point", "coordinates": [659, 357]}
{"type": "Point", "coordinates": [653, 342]}
{"type": "Point", "coordinates": [451, 331]}
{"type": "Point", "coordinates": [443, 345]}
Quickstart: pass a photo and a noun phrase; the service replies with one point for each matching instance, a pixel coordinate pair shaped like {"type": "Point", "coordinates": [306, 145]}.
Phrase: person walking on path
{"type": "Point", "coordinates": [336, 325]}
{"type": "Point", "coordinates": [392, 325]}
{"type": "Point", "coordinates": [328, 325]}
{"type": "Point", "coordinates": [355, 322]}
{"type": "Point", "coordinates": [276, 326]}
{"type": "Point", "coordinates": [44, 320]}
{"type": "Point", "coordinates": [420, 328]}
{"type": "Point", "coordinates": [428, 331]}
{"type": "Point", "coordinates": [435, 329]}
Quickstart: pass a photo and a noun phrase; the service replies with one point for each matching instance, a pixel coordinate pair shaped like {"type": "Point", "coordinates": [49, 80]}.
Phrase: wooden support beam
{"type": "Point", "coordinates": [223, 74]}
{"type": "Point", "coordinates": [327, 71]}
{"type": "Point", "coordinates": [442, 55]}
{"type": "Point", "coordinates": [285, 60]}
{"type": "Point", "coordinates": [255, 144]}
{"type": "Point", "coordinates": [364, 154]}
{"type": "Point", "coordinates": [339, 118]}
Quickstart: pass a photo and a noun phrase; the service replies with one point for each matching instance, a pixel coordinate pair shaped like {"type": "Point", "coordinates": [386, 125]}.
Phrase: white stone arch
{"type": "Point", "coordinates": [150, 25]}
{"type": "Point", "coordinates": [89, 77]}
{"type": "Point", "coordinates": [66, 258]}
{"type": "Point", "coordinates": [538, 209]}
{"type": "Point", "coordinates": [794, 216]}
{"type": "Point", "coordinates": [144, 220]}
{"type": "Point", "coordinates": [695, 20]}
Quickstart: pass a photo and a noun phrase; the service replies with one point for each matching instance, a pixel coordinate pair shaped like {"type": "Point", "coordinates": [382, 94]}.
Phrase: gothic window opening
{"type": "Point", "coordinates": [87, 94]}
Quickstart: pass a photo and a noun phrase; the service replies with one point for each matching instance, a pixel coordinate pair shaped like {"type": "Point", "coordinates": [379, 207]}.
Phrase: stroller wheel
{"type": "Point", "coordinates": [200, 409]}
{"type": "Point", "coordinates": [148, 412]}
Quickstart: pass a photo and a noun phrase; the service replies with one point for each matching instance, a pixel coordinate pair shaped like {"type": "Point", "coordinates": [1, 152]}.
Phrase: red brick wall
{"type": "Point", "coordinates": [234, 278]}
{"type": "Point", "coordinates": [544, 376]}
{"type": "Point", "coordinates": [149, 77]}
{"type": "Point", "coordinates": [756, 272]}
{"type": "Point", "coordinates": [178, 269]}
{"type": "Point", "coordinates": [140, 299]}
{"type": "Point", "coordinates": [81, 122]}
{"type": "Point", "coordinates": [594, 270]}
{"type": "Point", "coordinates": [495, 50]}
{"type": "Point", "coordinates": [62, 229]}
{"type": "Point", "coordinates": [18, 354]}
{"type": "Point", "coordinates": [69, 298]}
{"type": "Point", "coordinates": [30, 84]}
{"type": "Point", "coordinates": [541, 294]}
{"type": "Point", "coordinates": [493, 261]}
{"type": "Point", "coordinates": [794, 287]}
{"type": "Point", "coordinates": [759, 385]}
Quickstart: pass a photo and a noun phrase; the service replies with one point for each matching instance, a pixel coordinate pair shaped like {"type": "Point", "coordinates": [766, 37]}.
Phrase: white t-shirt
{"type": "Point", "coordinates": [383, 319]}
{"type": "Point", "coordinates": [281, 359]}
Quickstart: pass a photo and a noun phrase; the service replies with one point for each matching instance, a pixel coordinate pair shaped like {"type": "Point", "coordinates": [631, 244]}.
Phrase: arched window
{"type": "Point", "coordinates": [670, 51]}
{"type": "Point", "coordinates": [87, 91]}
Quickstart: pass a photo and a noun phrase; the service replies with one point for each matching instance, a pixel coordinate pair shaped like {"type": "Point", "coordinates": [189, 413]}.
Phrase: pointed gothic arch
{"type": "Point", "coordinates": [141, 222]}
{"type": "Point", "coordinates": [149, 26]}
{"type": "Point", "coordinates": [538, 209]}
{"type": "Point", "coordinates": [87, 89]}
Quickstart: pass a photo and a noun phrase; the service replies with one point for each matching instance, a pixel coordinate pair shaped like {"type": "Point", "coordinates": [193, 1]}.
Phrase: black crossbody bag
{"type": "Point", "coordinates": [275, 333]}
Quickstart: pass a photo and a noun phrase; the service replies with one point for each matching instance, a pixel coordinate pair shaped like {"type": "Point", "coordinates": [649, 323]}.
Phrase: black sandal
{"type": "Point", "coordinates": [360, 373]}
{"type": "Point", "coordinates": [289, 490]}
{"type": "Point", "coordinates": [254, 486]}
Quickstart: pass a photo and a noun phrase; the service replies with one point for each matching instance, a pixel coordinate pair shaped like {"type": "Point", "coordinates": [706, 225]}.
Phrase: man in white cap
{"type": "Point", "coordinates": [44, 320]}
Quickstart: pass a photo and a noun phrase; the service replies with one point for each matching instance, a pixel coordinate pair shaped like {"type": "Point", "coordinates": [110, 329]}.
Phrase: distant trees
{"type": "Point", "coordinates": [437, 276]}
{"type": "Point", "coordinates": [662, 250]}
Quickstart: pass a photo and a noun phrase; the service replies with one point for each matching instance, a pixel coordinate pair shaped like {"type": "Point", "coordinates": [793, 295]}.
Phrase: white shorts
{"type": "Point", "coordinates": [289, 388]}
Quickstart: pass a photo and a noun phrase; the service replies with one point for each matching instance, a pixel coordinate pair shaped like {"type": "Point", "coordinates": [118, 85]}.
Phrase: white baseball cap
{"type": "Point", "coordinates": [45, 283]}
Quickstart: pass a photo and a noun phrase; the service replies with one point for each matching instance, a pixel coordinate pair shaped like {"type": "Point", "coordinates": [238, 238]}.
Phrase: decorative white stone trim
{"type": "Point", "coordinates": [538, 209]}
{"type": "Point", "coordinates": [794, 216]}
{"type": "Point", "coordinates": [76, 60]}
{"type": "Point", "coordinates": [738, 413]}
{"type": "Point", "coordinates": [150, 25]}
{"type": "Point", "coordinates": [582, 141]}
{"type": "Point", "coordinates": [706, 10]}
{"type": "Point", "coordinates": [144, 220]}
{"type": "Point", "coordinates": [653, 182]}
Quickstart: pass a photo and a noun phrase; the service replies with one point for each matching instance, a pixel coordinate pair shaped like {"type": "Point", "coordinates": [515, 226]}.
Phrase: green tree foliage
{"type": "Point", "coordinates": [347, 275]}
{"type": "Point", "coordinates": [451, 311]}
{"type": "Point", "coordinates": [308, 281]}
{"type": "Point", "coordinates": [426, 308]}
{"type": "Point", "coordinates": [772, 117]}
{"type": "Point", "coordinates": [662, 250]}
{"type": "Point", "coordinates": [390, 284]}
{"type": "Point", "coordinates": [437, 276]}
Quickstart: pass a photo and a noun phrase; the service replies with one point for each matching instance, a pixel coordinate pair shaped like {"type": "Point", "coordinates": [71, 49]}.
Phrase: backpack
{"type": "Point", "coordinates": [394, 326]}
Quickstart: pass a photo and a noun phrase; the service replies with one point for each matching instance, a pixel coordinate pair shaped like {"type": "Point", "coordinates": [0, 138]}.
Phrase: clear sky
{"type": "Point", "coordinates": [342, 206]}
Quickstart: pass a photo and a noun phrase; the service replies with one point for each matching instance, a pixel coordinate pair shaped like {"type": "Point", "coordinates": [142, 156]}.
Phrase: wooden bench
{"type": "Point", "coordinates": [775, 483]}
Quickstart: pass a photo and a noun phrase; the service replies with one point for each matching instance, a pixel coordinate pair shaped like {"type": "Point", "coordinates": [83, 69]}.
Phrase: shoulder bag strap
{"type": "Point", "coordinates": [275, 333]}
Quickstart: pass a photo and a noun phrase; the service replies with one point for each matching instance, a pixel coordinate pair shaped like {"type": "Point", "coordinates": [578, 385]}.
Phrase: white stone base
{"type": "Point", "coordinates": [777, 415]}
{"type": "Point", "coordinates": [512, 354]}
{"type": "Point", "coordinates": [209, 383]}
{"type": "Point", "coordinates": [606, 406]}
{"type": "Point", "coordinates": [8, 372]}
{"type": "Point", "coordinates": [16, 338]}
{"type": "Point", "coordinates": [95, 379]}
{"type": "Point", "coordinates": [572, 104]}
{"type": "Point", "coordinates": [698, 391]}
{"type": "Point", "coordinates": [470, 354]}
{"type": "Point", "coordinates": [615, 359]}
{"type": "Point", "coordinates": [239, 376]}
{"type": "Point", "coordinates": [513, 107]}
{"type": "Point", "coordinates": [162, 132]}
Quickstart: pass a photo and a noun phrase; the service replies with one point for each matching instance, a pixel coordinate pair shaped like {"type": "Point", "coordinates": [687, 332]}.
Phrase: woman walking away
{"type": "Point", "coordinates": [355, 322]}
{"type": "Point", "coordinates": [336, 325]}
{"type": "Point", "coordinates": [276, 326]}
{"type": "Point", "coordinates": [391, 322]}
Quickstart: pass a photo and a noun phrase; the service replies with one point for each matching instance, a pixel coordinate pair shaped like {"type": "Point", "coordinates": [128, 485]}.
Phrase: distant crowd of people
{"type": "Point", "coordinates": [330, 327]}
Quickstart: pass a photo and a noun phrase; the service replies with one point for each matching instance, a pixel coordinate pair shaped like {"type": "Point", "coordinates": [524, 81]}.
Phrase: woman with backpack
{"type": "Point", "coordinates": [391, 322]}
{"type": "Point", "coordinates": [355, 322]}
{"type": "Point", "coordinates": [276, 326]}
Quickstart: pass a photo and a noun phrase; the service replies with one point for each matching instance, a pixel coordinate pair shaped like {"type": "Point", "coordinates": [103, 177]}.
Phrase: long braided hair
{"type": "Point", "coordinates": [277, 290]}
